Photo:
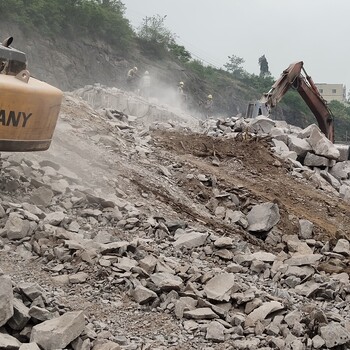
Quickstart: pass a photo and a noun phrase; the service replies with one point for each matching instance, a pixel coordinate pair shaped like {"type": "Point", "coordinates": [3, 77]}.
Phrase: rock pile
{"type": "Point", "coordinates": [217, 286]}
{"type": "Point", "coordinates": [30, 320]}
{"type": "Point", "coordinates": [308, 150]}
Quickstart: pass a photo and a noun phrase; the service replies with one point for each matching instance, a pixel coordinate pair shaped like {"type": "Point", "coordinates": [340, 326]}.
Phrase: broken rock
{"type": "Point", "coordinates": [58, 332]}
{"type": "Point", "coordinates": [6, 299]}
{"type": "Point", "coordinates": [220, 287]}
{"type": "Point", "coordinates": [261, 312]}
{"type": "Point", "coordinates": [263, 217]}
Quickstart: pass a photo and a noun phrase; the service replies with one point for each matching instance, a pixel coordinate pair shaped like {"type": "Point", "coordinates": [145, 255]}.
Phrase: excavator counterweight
{"type": "Point", "coordinates": [29, 108]}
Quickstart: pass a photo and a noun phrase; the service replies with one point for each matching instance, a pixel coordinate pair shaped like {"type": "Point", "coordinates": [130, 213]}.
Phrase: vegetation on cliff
{"type": "Point", "coordinates": [104, 20]}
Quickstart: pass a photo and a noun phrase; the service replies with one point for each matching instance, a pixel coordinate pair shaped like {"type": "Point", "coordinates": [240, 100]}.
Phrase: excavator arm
{"type": "Point", "coordinates": [293, 77]}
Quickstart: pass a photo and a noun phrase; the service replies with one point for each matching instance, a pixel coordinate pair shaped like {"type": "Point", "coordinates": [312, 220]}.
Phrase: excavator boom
{"type": "Point", "coordinates": [293, 77]}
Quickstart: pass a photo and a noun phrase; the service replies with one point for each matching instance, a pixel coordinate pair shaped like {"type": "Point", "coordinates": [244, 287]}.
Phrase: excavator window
{"type": "Point", "coordinates": [12, 61]}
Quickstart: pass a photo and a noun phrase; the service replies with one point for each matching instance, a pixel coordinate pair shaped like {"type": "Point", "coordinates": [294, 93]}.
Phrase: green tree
{"type": "Point", "coordinates": [341, 115]}
{"type": "Point", "coordinates": [153, 30]}
{"type": "Point", "coordinates": [234, 65]}
{"type": "Point", "coordinates": [180, 52]}
{"type": "Point", "coordinates": [97, 19]}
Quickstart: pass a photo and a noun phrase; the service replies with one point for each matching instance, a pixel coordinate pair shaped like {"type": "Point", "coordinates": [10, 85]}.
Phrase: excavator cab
{"type": "Point", "coordinates": [29, 108]}
{"type": "Point", "coordinates": [257, 108]}
{"type": "Point", "coordinates": [12, 61]}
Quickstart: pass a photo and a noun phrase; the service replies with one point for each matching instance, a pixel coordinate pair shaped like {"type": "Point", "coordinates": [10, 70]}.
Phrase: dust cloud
{"type": "Point", "coordinates": [166, 94]}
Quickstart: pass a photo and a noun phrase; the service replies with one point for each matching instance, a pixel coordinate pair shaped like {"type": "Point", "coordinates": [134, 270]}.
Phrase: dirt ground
{"type": "Point", "coordinates": [250, 164]}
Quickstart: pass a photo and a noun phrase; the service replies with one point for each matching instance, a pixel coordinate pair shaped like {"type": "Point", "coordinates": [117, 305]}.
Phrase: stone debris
{"type": "Point", "coordinates": [242, 282]}
{"type": "Point", "coordinates": [30, 327]}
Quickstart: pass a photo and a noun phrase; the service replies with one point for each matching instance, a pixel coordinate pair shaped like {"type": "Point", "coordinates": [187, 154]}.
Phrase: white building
{"type": "Point", "coordinates": [331, 92]}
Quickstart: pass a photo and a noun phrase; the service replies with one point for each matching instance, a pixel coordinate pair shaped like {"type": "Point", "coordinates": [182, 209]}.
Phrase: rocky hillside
{"type": "Point", "coordinates": [154, 230]}
{"type": "Point", "coordinates": [70, 64]}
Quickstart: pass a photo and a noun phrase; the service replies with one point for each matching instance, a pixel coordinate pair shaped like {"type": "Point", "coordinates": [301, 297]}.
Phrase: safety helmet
{"type": "Point", "coordinates": [181, 83]}
{"type": "Point", "coordinates": [135, 69]}
{"type": "Point", "coordinates": [210, 97]}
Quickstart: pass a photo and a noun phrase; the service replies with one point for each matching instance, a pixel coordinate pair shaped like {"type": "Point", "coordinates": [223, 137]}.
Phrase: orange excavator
{"type": "Point", "coordinates": [29, 108]}
{"type": "Point", "coordinates": [292, 77]}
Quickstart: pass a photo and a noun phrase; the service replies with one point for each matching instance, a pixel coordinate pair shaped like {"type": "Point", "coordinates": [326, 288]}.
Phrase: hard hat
{"type": "Point", "coordinates": [135, 69]}
{"type": "Point", "coordinates": [181, 83]}
{"type": "Point", "coordinates": [210, 97]}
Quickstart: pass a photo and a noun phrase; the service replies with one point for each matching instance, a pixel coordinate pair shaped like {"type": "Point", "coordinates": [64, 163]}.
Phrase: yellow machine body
{"type": "Point", "coordinates": [29, 107]}
{"type": "Point", "coordinates": [28, 113]}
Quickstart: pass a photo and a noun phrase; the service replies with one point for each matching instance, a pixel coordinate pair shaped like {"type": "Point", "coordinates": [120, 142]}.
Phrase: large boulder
{"type": "Point", "coordinates": [263, 217]}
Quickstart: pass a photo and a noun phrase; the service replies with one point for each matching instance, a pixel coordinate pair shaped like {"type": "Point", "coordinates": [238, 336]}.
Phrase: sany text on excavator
{"type": "Point", "coordinates": [29, 108]}
{"type": "Point", "coordinates": [293, 77]}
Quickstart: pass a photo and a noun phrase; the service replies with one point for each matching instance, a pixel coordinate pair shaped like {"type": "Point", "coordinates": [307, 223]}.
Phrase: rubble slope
{"type": "Point", "coordinates": [147, 228]}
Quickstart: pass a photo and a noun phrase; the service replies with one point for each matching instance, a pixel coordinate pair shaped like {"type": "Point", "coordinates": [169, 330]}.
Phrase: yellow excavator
{"type": "Point", "coordinates": [29, 107]}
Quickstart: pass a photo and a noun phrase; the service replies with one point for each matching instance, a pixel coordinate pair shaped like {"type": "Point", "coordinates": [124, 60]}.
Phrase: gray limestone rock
{"type": "Point", "coordinates": [243, 344]}
{"type": "Point", "coordinates": [305, 229]}
{"type": "Point", "coordinates": [321, 145]}
{"type": "Point", "coordinates": [106, 345]}
{"type": "Point", "coordinates": [261, 125]}
{"type": "Point", "coordinates": [298, 145]}
{"type": "Point", "coordinates": [313, 160]}
{"type": "Point", "coordinates": [31, 290]}
{"type": "Point", "coordinates": [261, 312]}
{"type": "Point", "coordinates": [41, 196]}
{"type": "Point", "coordinates": [305, 259]}
{"type": "Point", "coordinates": [342, 247]}
{"type": "Point", "coordinates": [263, 217]}
{"type": "Point", "coordinates": [204, 313]}
{"type": "Point", "coordinates": [79, 277]}
{"type": "Point", "coordinates": [6, 299]}
{"type": "Point", "coordinates": [39, 313]}
{"type": "Point", "coordinates": [166, 281]}
{"type": "Point", "coordinates": [341, 170]}
{"type": "Point", "coordinates": [29, 346]}
{"type": "Point", "coordinates": [183, 304]}
{"type": "Point", "coordinates": [332, 180]}
{"type": "Point", "coordinates": [334, 335]}
{"type": "Point", "coordinates": [54, 218]}
{"type": "Point", "coordinates": [148, 263]}
{"type": "Point", "coordinates": [16, 228]}
{"type": "Point", "coordinates": [223, 242]}
{"type": "Point", "coordinates": [58, 332]}
{"type": "Point", "coordinates": [220, 287]}
{"type": "Point", "coordinates": [7, 342]}
{"type": "Point", "coordinates": [191, 240]}
{"type": "Point", "coordinates": [317, 342]}
{"type": "Point", "coordinates": [143, 295]}
{"type": "Point", "coordinates": [215, 332]}
{"type": "Point", "coordinates": [20, 315]}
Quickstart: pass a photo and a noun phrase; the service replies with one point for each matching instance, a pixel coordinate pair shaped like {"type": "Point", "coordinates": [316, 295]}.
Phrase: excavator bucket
{"type": "Point", "coordinates": [29, 108]}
